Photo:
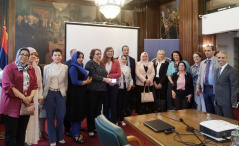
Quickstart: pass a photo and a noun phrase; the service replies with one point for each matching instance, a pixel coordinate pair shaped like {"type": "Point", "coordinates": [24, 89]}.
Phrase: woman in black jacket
{"type": "Point", "coordinates": [183, 87]}
{"type": "Point", "coordinates": [161, 82]}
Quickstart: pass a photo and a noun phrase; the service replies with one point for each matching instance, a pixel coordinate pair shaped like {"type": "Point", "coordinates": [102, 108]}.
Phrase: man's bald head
{"type": "Point", "coordinates": [72, 52]}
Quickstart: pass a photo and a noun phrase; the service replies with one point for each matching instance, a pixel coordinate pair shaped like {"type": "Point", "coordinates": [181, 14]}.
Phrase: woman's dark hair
{"type": "Point", "coordinates": [92, 53]}
{"type": "Point", "coordinates": [105, 58]}
{"type": "Point", "coordinates": [198, 53]}
{"type": "Point", "coordinates": [78, 54]}
{"type": "Point", "coordinates": [56, 50]}
{"type": "Point", "coordinates": [124, 56]}
{"type": "Point", "coordinates": [183, 64]}
{"type": "Point", "coordinates": [180, 56]}
{"type": "Point", "coordinates": [37, 55]}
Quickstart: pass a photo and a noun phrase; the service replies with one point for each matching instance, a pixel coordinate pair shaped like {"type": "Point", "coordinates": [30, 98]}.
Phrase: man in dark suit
{"type": "Point", "coordinates": [68, 62]}
{"type": "Point", "coordinates": [225, 87]}
{"type": "Point", "coordinates": [131, 64]}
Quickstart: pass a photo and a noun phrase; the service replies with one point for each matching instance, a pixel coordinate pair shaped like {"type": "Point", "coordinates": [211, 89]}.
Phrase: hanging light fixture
{"type": "Point", "coordinates": [110, 8]}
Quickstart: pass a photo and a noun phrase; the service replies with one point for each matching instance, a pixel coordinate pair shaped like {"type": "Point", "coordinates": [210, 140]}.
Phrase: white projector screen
{"type": "Point", "coordinates": [85, 37]}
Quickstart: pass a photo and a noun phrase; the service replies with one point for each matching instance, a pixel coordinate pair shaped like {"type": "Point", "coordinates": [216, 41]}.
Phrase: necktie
{"type": "Point", "coordinates": [219, 72]}
{"type": "Point", "coordinates": [207, 72]}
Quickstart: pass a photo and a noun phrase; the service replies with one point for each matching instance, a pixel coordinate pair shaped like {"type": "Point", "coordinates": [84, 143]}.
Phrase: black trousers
{"type": "Point", "coordinates": [143, 108]}
{"type": "Point", "coordinates": [130, 101]}
{"type": "Point", "coordinates": [110, 103]}
{"type": "Point", "coordinates": [15, 130]}
{"type": "Point", "coordinates": [181, 100]}
{"type": "Point", "coordinates": [123, 98]}
{"type": "Point", "coordinates": [67, 120]}
{"type": "Point", "coordinates": [94, 106]}
{"type": "Point", "coordinates": [160, 97]}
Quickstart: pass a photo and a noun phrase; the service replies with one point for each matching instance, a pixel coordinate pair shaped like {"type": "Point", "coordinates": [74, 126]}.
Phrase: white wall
{"type": "Point", "coordinates": [219, 22]}
{"type": "Point", "coordinates": [226, 43]}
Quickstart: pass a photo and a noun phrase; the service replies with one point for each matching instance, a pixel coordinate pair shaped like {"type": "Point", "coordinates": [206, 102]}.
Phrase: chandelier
{"type": "Point", "coordinates": [60, 6]}
{"type": "Point", "coordinates": [110, 8]}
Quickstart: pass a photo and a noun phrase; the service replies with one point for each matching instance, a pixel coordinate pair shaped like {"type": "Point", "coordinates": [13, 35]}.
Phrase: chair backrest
{"type": "Point", "coordinates": [109, 133]}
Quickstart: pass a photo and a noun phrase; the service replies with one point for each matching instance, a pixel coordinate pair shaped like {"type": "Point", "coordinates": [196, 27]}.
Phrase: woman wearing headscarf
{"type": "Point", "coordinates": [42, 110]}
{"type": "Point", "coordinates": [144, 78]}
{"type": "Point", "coordinates": [78, 79]}
{"type": "Point", "coordinates": [32, 135]}
{"type": "Point", "coordinates": [19, 84]}
{"type": "Point", "coordinates": [55, 78]}
{"type": "Point", "coordinates": [125, 84]}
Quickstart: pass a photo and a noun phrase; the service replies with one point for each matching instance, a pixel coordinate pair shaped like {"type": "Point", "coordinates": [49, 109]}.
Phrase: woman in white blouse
{"type": "Point", "coordinates": [55, 82]}
{"type": "Point", "coordinates": [161, 82]}
{"type": "Point", "coordinates": [125, 84]}
{"type": "Point", "coordinates": [144, 78]}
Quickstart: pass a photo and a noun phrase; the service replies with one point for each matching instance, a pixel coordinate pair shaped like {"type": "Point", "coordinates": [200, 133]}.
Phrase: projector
{"type": "Point", "coordinates": [217, 129]}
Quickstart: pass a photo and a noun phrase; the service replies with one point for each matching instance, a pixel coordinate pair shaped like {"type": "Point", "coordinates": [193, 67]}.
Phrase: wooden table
{"type": "Point", "coordinates": [190, 116]}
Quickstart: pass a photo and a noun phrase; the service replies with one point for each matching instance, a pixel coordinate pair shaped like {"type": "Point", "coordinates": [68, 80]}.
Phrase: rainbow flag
{"type": "Point", "coordinates": [3, 50]}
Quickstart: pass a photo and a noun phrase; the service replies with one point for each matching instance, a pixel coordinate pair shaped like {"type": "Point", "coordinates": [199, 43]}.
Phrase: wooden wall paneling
{"type": "Point", "coordinates": [186, 30]}
{"type": "Point", "coordinates": [215, 4]}
{"type": "Point", "coordinates": [152, 21]}
{"type": "Point", "coordinates": [195, 26]}
{"type": "Point", "coordinates": [11, 30]}
{"type": "Point", "coordinates": [149, 23]}
{"type": "Point", "coordinates": [201, 11]}
{"type": "Point", "coordinates": [140, 22]}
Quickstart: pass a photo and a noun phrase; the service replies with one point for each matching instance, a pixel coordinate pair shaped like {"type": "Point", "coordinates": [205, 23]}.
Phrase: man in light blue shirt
{"type": "Point", "coordinates": [205, 80]}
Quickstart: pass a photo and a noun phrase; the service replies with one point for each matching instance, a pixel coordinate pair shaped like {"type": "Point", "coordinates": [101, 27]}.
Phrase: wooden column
{"type": "Point", "coordinates": [11, 30]}
{"type": "Point", "coordinates": [149, 23]}
{"type": "Point", "coordinates": [188, 11]}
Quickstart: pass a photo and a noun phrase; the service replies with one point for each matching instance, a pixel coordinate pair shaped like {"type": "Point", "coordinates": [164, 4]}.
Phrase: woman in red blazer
{"type": "Point", "coordinates": [112, 67]}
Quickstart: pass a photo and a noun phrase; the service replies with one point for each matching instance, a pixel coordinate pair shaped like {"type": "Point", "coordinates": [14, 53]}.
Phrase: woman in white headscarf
{"type": "Point", "coordinates": [144, 77]}
{"type": "Point", "coordinates": [19, 84]}
{"type": "Point", "coordinates": [32, 135]}
{"type": "Point", "coordinates": [125, 84]}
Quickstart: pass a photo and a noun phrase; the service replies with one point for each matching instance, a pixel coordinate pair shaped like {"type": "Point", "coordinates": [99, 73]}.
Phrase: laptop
{"type": "Point", "coordinates": [158, 125]}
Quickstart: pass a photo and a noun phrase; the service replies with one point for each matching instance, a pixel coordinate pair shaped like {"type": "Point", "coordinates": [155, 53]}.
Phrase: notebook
{"type": "Point", "coordinates": [158, 125]}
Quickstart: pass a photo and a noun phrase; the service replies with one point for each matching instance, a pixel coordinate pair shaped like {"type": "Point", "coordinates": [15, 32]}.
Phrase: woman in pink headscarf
{"type": "Point", "coordinates": [32, 135]}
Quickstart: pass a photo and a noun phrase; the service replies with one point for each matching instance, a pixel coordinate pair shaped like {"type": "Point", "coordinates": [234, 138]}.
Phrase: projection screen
{"type": "Point", "coordinates": [84, 37]}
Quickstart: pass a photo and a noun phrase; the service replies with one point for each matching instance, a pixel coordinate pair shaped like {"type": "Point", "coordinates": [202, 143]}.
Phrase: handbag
{"type": "Point", "coordinates": [27, 110]}
{"type": "Point", "coordinates": [147, 97]}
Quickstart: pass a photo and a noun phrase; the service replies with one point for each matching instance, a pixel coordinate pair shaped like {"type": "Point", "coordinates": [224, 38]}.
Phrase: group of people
{"type": "Point", "coordinates": [71, 93]}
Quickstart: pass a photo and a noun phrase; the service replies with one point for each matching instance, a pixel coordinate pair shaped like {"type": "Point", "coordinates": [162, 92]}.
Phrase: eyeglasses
{"type": "Point", "coordinates": [25, 55]}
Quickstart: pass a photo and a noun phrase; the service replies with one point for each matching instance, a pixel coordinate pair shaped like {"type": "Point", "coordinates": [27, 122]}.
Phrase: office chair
{"type": "Point", "coordinates": [112, 135]}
